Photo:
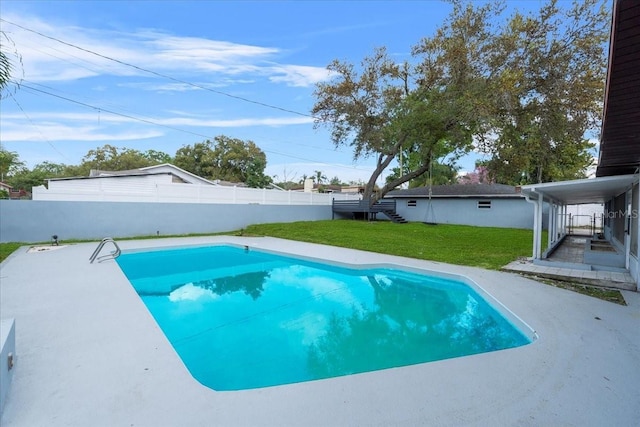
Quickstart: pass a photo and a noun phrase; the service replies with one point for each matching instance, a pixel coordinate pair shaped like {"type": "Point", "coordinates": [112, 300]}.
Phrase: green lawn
{"type": "Point", "coordinates": [456, 244]}
{"type": "Point", "coordinates": [485, 247]}
{"type": "Point", "coordinates": [7, 249]}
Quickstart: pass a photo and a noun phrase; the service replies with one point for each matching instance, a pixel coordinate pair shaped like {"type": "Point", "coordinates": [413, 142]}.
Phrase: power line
{"type": "Point", "coordinates": [100, 109]}
{"type": "Point", "coordinates": [155, 73]}
{"type": "Point", "coordinates": [35, 126]}
{"type": "Point", "coordinates": [151, 122]}
{"type": "Point", "coordinates": [120, 108]}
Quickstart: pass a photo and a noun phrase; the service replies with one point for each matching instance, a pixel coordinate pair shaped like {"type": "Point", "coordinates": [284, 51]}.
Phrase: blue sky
{"type": "Point", "coordinates": [244, 69]}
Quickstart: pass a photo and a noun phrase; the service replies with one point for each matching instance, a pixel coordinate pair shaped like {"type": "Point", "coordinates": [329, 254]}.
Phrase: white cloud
{"type": "Point", "coordinates": [62, 132]}
{"type": "Point", "coordinates": [320, 287]}
{"type": "Point", "coordinates": [242, 122]}
{"type": "Point", "coordinates": [14, 118]}
{"type": "Point", "coordinates": [49, 60]}
{"type": "Point", "coordinates": [299, 76]}
{"type": "Point", "coordinates": [94, 126]}
{"type": "Point", "coordinates": [190, 292]}
{"type": "Point", "coordinates": [163, 87]}
{"type": "Point", "coordinates": [183, 87]}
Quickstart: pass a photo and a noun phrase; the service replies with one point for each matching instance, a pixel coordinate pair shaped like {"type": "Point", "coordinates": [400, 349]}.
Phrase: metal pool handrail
{"type": "Point", "coordinates": [111, 255]}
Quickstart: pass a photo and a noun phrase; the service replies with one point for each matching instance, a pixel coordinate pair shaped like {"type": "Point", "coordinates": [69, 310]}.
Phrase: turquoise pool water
{"type": "Point", "coordinates": [242, 319]}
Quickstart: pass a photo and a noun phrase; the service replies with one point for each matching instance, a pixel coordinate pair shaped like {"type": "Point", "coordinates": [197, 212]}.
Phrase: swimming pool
{"type": "Point", "coordinates": [241, 318]}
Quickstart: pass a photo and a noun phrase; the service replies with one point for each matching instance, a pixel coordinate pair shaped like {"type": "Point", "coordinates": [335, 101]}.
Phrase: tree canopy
{"type": "Point", "coordinates": [524, 89]}
{"type": "Point", "coordinates": [385, 109]}
{"type": "Point", "coordinates": [548, 76]}
{"type": "Point", "coordinates": [10, 163]}
{"type": "Point", "coordinates": [112, 158]}
{"type": "Point", "coordinates": [228, 159]}
{"type": "Point", "coordinates": [438, 173]}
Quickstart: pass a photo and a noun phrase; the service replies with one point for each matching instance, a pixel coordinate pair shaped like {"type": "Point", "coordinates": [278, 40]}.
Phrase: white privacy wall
{"type": "Point", "coordinates": [37, 221]}
{"type": "Point", "coordinates": [159, 188]}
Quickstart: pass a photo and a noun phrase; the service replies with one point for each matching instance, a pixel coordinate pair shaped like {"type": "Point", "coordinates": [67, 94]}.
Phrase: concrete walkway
{"type": "Point", "coordinates": [90, 354]}
{"type": "Point", "coordinates": [570, 254]}
{"type": "Point", "coordinates": [605, 279]}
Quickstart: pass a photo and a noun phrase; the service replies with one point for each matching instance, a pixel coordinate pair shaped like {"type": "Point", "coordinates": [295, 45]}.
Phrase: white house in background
{"type": "Point", "coordinates": [167, 184]}
{"type": "Point", "coordinates": [130, 185]}
{"type": "Point", "coordinates": [179, 175]}
{"type": "Point", "coordinates": [485, 205]}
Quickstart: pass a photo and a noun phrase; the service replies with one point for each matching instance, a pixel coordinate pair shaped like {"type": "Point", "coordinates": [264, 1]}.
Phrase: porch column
{"type": "Point", "coordinates": [551, 226]}
{"type": "Point", "coordinates": [537, 227]}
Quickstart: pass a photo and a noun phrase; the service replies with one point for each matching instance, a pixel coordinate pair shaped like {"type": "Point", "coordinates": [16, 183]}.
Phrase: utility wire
{"type": "Point", "coordinates": [151, 122]}
{"type": "Point", "coordinates": [100, 109]}
{"type": "Point", "coordinates": [155, 73]}
{"type": "Point", "coordinates": [120, 108]}
{"type": "Point", "coordinates": [37, 128]}
{"type": "Point", "coordinates": [162, 76]}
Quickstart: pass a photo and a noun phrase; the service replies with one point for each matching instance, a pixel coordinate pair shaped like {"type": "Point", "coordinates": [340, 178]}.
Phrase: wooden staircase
{"type": "Point", "coordinates": [394, 217]}
{"type": "Point", "coordinates": [353, 207]}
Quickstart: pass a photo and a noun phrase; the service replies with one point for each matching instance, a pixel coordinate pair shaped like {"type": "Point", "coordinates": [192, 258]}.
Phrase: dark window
{"type": "Point", "coordinates": [412, 203]}
{"type": "Point", "coordinates": [484, 204]}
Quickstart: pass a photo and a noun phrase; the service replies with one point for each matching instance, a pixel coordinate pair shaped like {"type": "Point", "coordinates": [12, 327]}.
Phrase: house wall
{"type": "Point", "coordinates": [507, 213]}
{"type": "Point", "coordinates": [617, 218]}
{"type": "Point", "coordinates": [129, 185]}
{"type": "Point", "coordinates": [37, 221]}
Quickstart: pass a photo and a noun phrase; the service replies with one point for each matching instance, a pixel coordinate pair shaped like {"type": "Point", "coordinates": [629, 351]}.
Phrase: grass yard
{"type": "Point", "coordinates": [484, 247]}
{"type": "Point", "coordinates": [7, 249]}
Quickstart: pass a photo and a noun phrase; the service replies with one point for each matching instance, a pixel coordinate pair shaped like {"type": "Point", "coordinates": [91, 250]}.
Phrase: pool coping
{"type": "Point", "coordinates": [88, 353]}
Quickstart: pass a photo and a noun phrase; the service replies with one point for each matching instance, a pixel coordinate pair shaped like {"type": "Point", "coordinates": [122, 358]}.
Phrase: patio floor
{"type": "Point", "coordinates": [90, 354]}
{"type": "Point", "coordinates": [558, 266]}
{"type": "Point", "coordinates": [571, 250]}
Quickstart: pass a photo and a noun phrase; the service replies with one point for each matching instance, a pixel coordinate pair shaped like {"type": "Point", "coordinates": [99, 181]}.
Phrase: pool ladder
{"type": "Point", "coordinates": [111, 255]}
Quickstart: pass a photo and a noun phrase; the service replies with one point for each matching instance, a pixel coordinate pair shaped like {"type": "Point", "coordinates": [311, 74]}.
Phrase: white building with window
{"type": "Point", "coordinates": [485, 205]}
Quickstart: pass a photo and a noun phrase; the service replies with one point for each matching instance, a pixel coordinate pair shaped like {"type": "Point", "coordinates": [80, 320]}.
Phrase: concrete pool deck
{"type": "Point", "coordinates": [89, 353]}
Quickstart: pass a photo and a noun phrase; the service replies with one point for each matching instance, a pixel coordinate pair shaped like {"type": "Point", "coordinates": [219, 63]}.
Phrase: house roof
{"type": "Point", "coordinates": [94, 173]}
{"type": "Point", "coordinates": [109, 174]}
{"type": "Point", "coordinates": [163, 169]}
{"type": "Point", "coordinates": [620, 134]}
{"type": "Point", "coordinates": [459, 190]}
{"type": "Point", "coordinates": [188, 176]}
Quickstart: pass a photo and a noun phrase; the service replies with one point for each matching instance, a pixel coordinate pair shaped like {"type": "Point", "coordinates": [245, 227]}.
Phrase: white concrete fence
{"type": "Point", "coordinates": [87, 190]}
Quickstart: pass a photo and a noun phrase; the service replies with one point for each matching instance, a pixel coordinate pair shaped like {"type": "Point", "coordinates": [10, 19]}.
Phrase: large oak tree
{"type": "Point", "coordinates": [525, 89]}
{"type": "Point", "coordinates": [426, 111]}
{"type": "Point", "coordinates": [384, 110]}
{"type": "Point", "coordinates": [548, 74]}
